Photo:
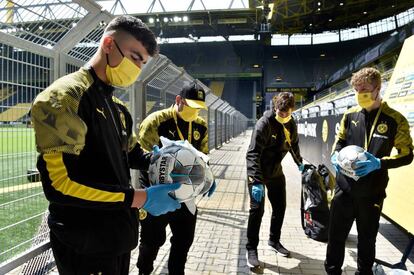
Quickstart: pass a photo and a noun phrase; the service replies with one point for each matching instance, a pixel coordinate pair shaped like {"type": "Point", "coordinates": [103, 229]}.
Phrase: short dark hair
{"type": "Point", "coordinates": [284, 101]}
{"type": "Point", "coordinates": [137, 29]}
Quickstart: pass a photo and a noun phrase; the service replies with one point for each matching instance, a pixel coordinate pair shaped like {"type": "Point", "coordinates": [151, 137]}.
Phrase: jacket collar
{"type": "Point", "coordinates": [174, 113]}
{"type": "Point", "coordinates": [373, 112]}
{"type": "Point", "coordinates": [100, 86]}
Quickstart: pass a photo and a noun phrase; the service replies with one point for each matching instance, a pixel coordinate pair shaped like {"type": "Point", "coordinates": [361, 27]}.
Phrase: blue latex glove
{"type": "Point", "coordinates": [156, 149]}
{"type": "Point", "coordinates": [211, 190]}
{"type": "Point", "coordinates": [257, 191]}
{"type": "Point", "coordinates": [159, 200]}
{"type": "Point", "coordinates": [334, 162]}
{"type": "Point", "coordinates": [364, 167]}
{"type": "Point", "coordinates": [301, 167]}
{"type": "Point", "coordinates": [155, 153]}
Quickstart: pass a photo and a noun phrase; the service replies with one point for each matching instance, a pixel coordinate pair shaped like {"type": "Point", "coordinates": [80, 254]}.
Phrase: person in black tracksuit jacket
{"type": "Point", "coordinates": [87, 147]}
{"type": "Point", "coordinates": [275, 134]}
{"type": "Point", "coordinates": [375, 126]}
{"type": "Point", "coordinates": [179, 122]}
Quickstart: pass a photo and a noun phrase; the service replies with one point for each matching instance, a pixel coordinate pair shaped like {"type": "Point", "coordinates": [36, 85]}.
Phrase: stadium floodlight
{"type": "Point", "coordinates": [165, 19]}
{"type": "Point", "coordinates": [177, 19]}
{"type": "Point", "coordinates": [151, 20]}
{"type": "Point", "coordinates": [185, 18]}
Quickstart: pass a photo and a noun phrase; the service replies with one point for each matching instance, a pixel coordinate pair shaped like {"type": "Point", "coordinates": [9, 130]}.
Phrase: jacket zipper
{"type": "Point", "coordinates": [119, 136]}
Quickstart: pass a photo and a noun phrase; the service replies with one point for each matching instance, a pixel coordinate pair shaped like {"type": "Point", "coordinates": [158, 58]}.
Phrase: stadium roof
{"type": "Point", "coordinates": [75, 26]}
{"type": "Point", "coordinates": [179, 18]}
{"type": "Point", "coordinates": [240, 17]}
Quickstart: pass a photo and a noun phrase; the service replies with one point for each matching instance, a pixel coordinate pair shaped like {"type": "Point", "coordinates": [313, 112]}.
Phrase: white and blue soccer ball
{"type": "Point", "coordinates": [347, 158]}
{"type": "Point", "coordinates": [179, 162]}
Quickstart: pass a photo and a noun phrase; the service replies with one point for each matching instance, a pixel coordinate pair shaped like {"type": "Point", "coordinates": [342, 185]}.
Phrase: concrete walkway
{"type": "Point", "coordinates": [219, 245]}
{"type": "Point", "coordinates": [220, 239]}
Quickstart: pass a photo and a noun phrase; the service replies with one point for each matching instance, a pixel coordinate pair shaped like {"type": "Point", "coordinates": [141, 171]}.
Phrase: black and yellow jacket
{"type": "Point", "coordinates": [166, 123]}
{"type": "Point", "coordinates": [86, 145]}
{"type": "Point", "coordinates": [391, 130]}
{"type": "Point", "coordinates": [268, 146]}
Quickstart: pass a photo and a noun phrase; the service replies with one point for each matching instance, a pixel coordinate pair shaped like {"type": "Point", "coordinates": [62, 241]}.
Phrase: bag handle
{"type": "Point", "coordinates": [302, 210]}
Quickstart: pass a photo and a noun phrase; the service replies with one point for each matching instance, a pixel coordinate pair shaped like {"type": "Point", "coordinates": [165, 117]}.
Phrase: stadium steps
{"type": "Point", "coordinates": [14, 113]}
{"type": "Point", "coordinates": [5, 94]}
{"type": "Point", "coordinates": [149, 106]}
{"type": "Point", "coordinates": [217, 87]}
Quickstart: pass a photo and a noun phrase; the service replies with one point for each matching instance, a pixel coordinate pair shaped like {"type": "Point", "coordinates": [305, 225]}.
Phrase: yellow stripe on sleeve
{"type": "Point", "coordinates": [62, 183]}
{"type": "Point", "coordinates": [148, 132]}
{"type": "Point", "coordinates": [204, 144]}
{"type": "Point", "coordinates": [403, 152]}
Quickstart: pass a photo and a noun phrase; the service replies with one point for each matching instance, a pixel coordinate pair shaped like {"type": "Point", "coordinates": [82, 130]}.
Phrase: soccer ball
{"type": "Point", "coordinates": [347, 158]}
{"type": "Point", "coordinates": [180, 163]}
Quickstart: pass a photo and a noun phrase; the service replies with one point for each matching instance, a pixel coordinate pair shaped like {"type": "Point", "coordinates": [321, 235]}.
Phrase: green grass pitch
{"type": "Point", "coordinates": [19, 199]}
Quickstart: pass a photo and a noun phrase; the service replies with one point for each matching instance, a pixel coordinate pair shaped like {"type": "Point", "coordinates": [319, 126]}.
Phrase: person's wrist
{"type": "Point", "coordinates": [256, 182]}
{"type": "Point", "coordinates": [140, 198]}
{"type": "Point", "coordinates": [378, 163]}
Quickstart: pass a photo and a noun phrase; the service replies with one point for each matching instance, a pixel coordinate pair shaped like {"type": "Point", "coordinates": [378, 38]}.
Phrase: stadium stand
{"type": "Point", "coordinates": [240, 92]}
{"type": "Point", "coordinates": [15, 112]}
{"type": "Point", "coordinates": [5, 93]}
{"type": "Point", "coordinates": [313, 66]}
{"type": "Point", "coordinates": [217, 87]}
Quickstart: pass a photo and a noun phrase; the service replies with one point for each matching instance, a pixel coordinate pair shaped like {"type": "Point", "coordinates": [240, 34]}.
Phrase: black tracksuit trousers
{"type": "Point", "coordinates": [69, 262]}
{"type": "Point", "coordinates": [344, 210]}
{"type": "Point", "coordinates": [182, 223]}
{"type": "Point", "coordinates": [276, 192]}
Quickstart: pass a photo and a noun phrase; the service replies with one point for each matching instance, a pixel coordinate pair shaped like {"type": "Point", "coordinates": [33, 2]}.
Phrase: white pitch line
{"type": "Point", "coordinates": [20, 187]}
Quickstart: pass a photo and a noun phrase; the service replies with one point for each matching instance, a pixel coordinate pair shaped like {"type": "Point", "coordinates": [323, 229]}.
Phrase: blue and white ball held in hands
{"type": "Point", "coordinates": [180, 162]}
{"type": "Point", "coordinates": [347, 158]}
